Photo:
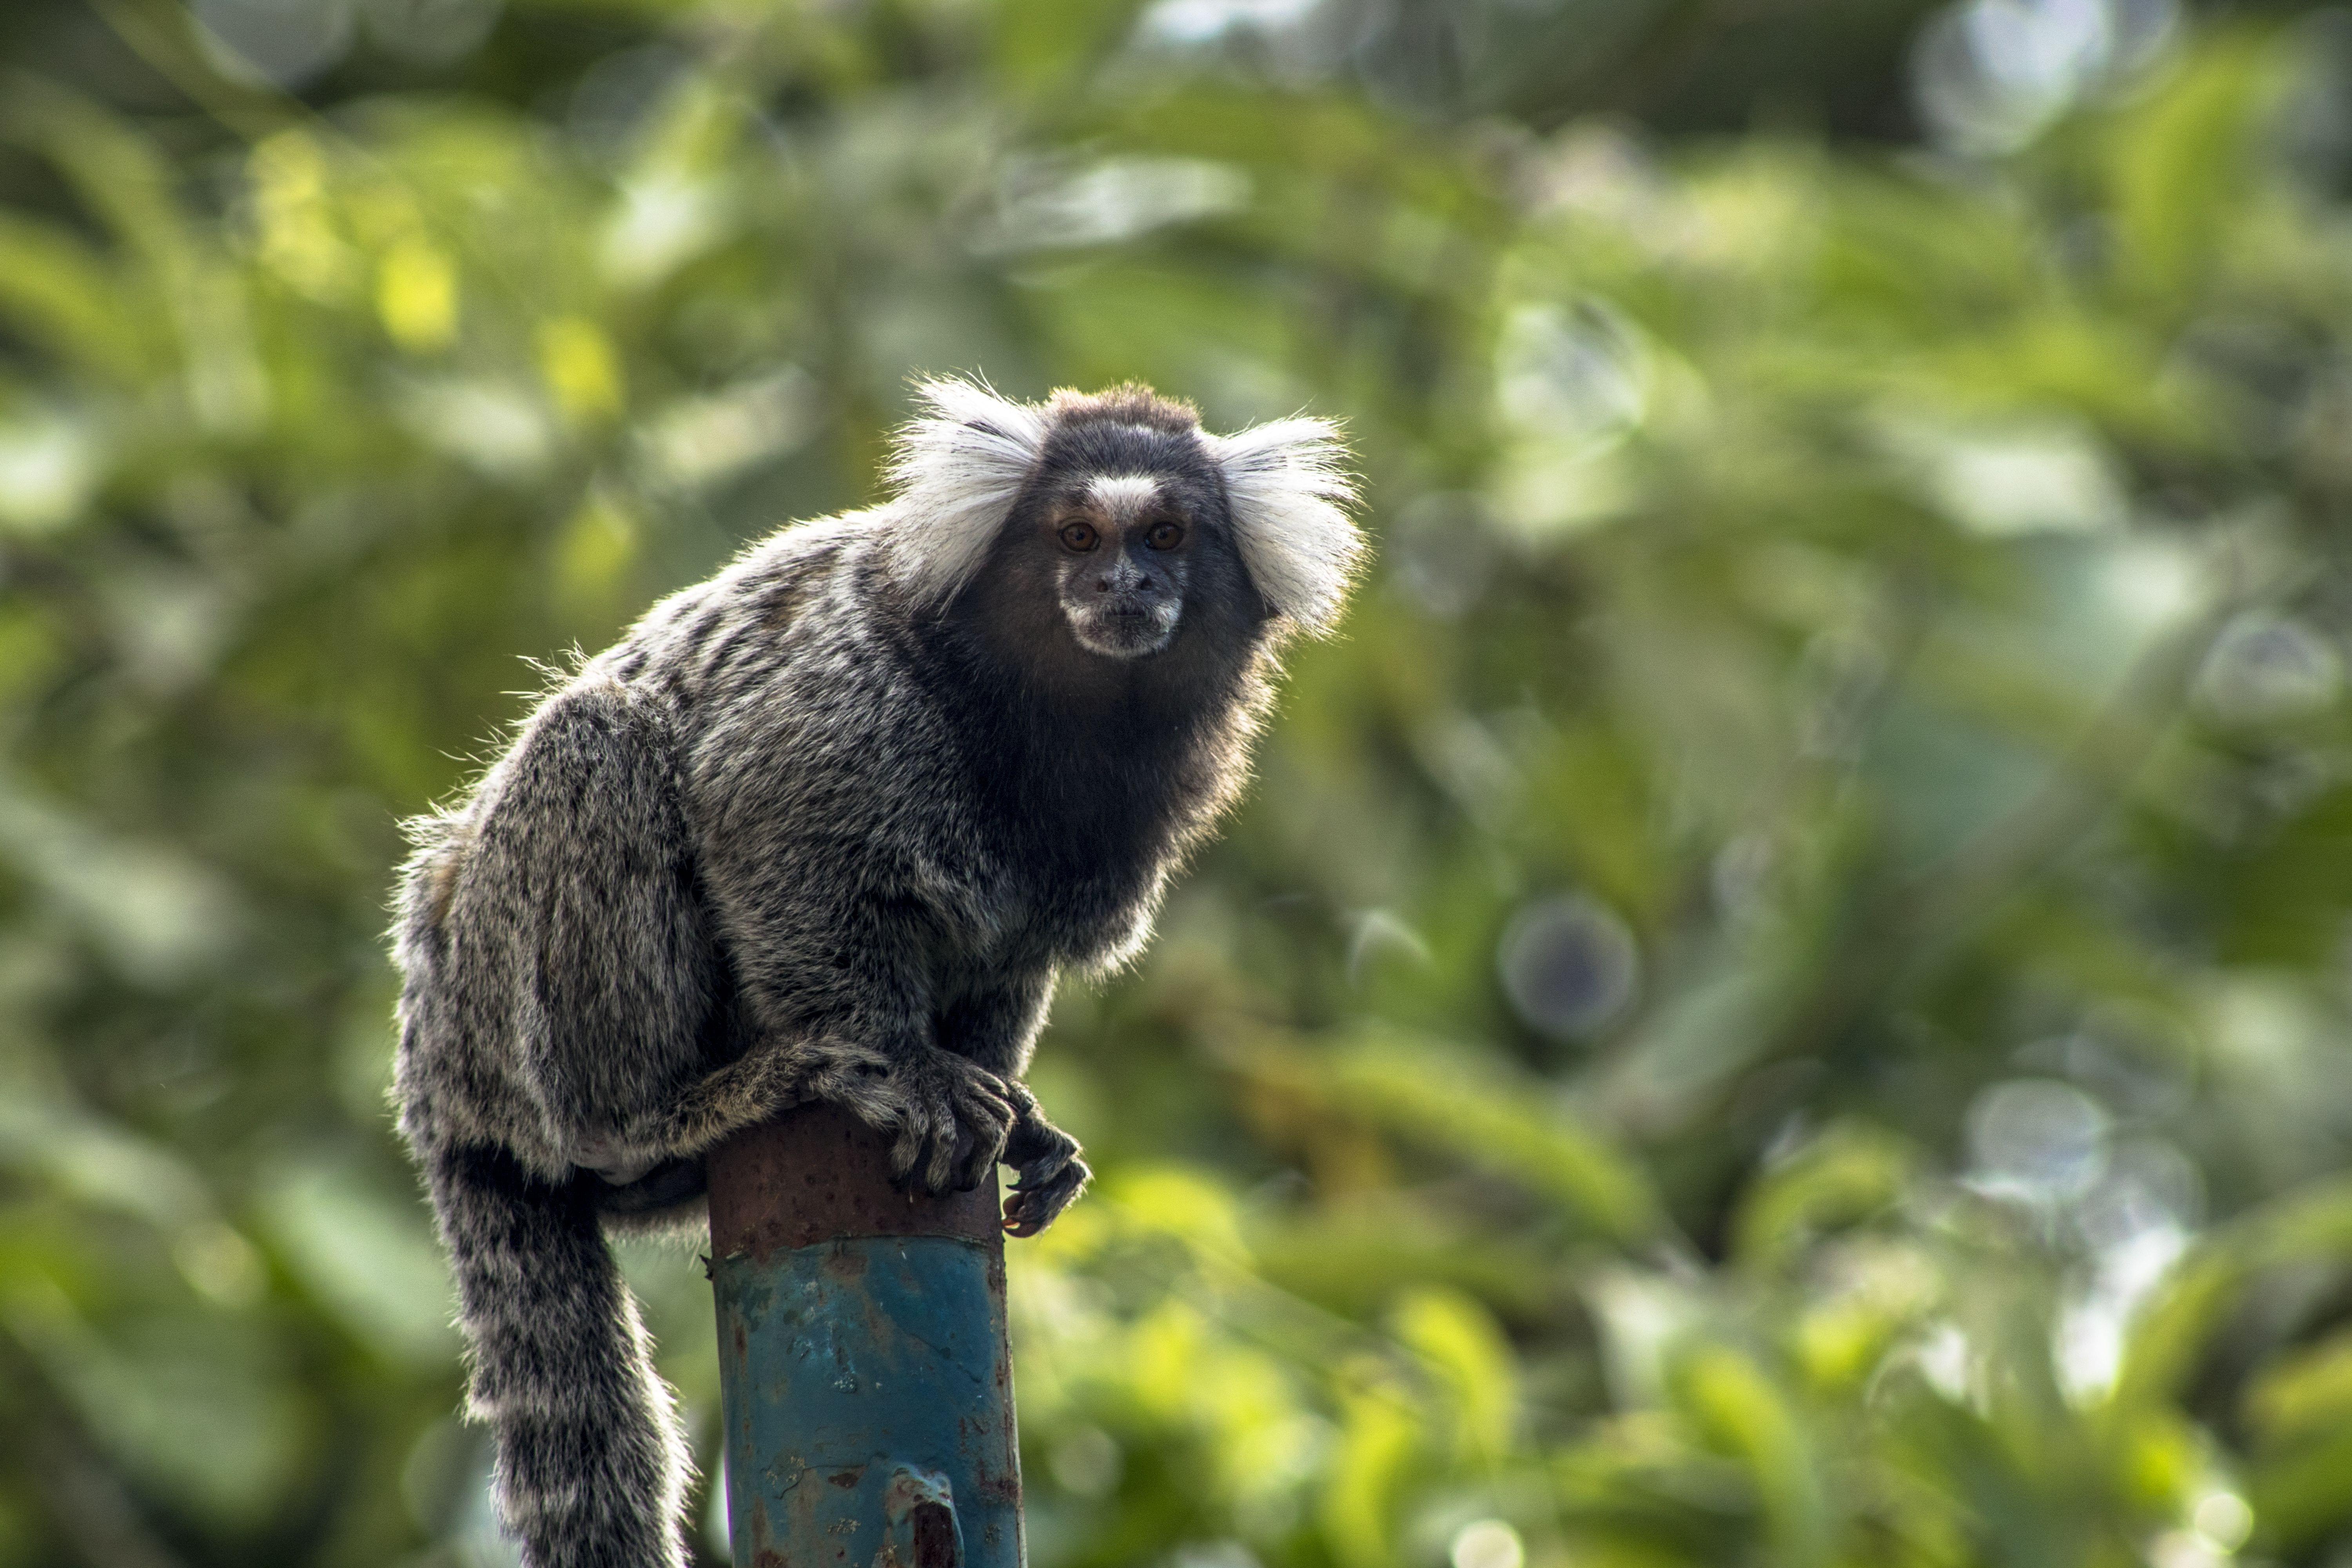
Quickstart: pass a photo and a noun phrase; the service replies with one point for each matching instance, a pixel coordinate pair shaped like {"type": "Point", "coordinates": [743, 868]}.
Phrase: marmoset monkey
{"type": "Point", "coordinates": [828, 826]}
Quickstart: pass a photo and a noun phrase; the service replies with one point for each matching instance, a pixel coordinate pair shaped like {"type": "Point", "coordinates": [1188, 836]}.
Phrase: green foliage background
{"type": "Point", "coordinates": [1781, 994]}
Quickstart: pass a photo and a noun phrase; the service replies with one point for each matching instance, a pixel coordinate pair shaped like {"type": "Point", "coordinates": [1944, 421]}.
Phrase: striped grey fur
{"type": "Point", "coordinates": [827, 826]}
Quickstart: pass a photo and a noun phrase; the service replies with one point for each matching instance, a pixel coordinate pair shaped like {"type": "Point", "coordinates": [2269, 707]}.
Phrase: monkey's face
{"type": "Point", "coordinates": [1117, 562]}
{"type": "Point", "coordinates": [1121, 547]}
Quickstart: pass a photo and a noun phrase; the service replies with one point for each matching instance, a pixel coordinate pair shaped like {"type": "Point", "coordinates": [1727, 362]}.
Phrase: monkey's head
{"type": "Point", "coordinates": [1112, 527]}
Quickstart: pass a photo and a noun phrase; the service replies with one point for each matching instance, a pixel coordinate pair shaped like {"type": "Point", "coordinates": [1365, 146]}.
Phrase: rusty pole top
{"type": "Point", "coordinates": [818, 1174]}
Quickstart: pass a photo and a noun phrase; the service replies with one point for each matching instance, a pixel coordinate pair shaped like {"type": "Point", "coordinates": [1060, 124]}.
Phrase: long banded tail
{"type": "Point", "coordinates": [591, 1467]}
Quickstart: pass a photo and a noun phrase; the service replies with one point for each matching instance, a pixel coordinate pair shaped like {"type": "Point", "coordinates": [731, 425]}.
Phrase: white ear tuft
{"type": "Point", "coordinates": [1289, 486]}
{"type": "Point", "coordinates": [958, 470]}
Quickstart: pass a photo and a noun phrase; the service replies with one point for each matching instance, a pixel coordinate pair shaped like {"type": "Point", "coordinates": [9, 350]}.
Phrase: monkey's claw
{"type": "Point", "coordinates": [1037, 1198]}
{"type": "Point", "coordinates": [1052, 1173]}
{"type": "Point", "coordinates": [951, 1119]}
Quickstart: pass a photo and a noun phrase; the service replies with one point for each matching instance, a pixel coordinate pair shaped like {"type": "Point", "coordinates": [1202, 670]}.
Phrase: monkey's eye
{"type": "Point", "coordinates": [1165, 536]}
{"type": "Point", "coordinates": [1081, 537]}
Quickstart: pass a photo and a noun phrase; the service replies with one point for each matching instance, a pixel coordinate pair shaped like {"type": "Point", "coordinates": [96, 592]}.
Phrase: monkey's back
{"type": "Point", "coordinates": [472, 917]}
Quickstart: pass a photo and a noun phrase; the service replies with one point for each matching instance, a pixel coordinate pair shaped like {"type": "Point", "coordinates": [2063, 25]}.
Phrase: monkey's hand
{"type": "Point", "coordinates": [949, 1116]}
{"type": "Point", "coordinates": [1050, 1170]}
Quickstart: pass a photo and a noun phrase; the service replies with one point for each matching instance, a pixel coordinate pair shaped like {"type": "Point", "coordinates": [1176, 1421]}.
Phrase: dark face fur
{"type": "Point", "coordinates": [1119, 551]}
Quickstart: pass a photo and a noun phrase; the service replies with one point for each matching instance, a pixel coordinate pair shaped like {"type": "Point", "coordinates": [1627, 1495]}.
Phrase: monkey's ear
{"type": "Point", "coordinates": [959, 467]}
{"type": "Point", "coordinates": [1289, 486]}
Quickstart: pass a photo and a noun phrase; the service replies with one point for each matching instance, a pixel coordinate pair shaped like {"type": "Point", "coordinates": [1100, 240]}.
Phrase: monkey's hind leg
{"type": "Point", "coordinates": [591, 1468]}
{"type": "Point", "coordinates": [583, 873]}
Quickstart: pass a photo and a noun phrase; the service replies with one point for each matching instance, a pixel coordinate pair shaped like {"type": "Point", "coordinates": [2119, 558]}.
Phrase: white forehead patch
{"type": "Point", "coordinates": [1123, 495]}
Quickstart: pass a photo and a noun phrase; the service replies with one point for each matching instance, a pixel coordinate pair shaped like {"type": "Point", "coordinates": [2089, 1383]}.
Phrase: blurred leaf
{"type": "Point", "coordinates": [1741, 1409]}
{"type": "Point", "coordinates": [1457, 1338]}
{"type": "Point", "coordinates": [1468, 1108]}
{"type": "Point", "coordinates": [58, 293]}
{"type": "Point", "coordinates": [372, 1262]}
{"type": "Point", "coordinates": [1846, 1174]}
{"type": "Point", "coordinates": [416, 295]}
{"type": "Point", "coordinates": [1377, 1436]}
{"type": "Point", "coordinates": [2183, 161]}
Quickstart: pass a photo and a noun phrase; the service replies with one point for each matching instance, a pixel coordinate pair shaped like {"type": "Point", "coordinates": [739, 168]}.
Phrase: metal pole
{"type": "Point", "coordinates": [863, 1368]}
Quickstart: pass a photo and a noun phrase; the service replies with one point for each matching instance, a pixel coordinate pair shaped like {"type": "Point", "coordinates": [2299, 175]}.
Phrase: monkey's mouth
{"type": "Point", "coordinates": [1122, 626]}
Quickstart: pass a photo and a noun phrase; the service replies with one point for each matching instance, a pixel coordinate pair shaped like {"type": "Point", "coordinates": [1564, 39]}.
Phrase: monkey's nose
{"type": "Point", "coordinates": [1121, 575]}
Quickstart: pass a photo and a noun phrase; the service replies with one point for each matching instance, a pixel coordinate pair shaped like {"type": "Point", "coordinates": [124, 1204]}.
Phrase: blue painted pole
{"type": "Point", "coordinates": [863, 1369]}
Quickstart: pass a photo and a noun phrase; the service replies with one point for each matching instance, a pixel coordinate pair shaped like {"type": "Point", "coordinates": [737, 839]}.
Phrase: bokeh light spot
{"type": "Point", "coordinates": [1487, 1543]}
{"type": "Point", "coordinates": [1570, 965]}
{"type": "Point", "coordinates": [2039, 1137]}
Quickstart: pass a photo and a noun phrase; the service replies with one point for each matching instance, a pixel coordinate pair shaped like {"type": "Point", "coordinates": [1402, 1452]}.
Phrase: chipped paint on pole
{"type": "Point", "coordinates": [864, 1372]}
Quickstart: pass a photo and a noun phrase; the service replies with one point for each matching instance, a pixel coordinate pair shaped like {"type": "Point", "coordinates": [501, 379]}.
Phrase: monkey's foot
{"type": "Point", "coordinates": [756, 1087]}
{"type": "Point", "coordinates": [951, 1117]}
{"type": "Point", "coordinates": [665, 1186]}
{"type": "Point", "coordinates": [607, 1156]}
{"type": "Point", "coordinates": [1052, 1173]}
